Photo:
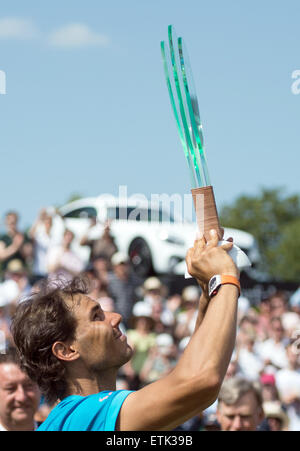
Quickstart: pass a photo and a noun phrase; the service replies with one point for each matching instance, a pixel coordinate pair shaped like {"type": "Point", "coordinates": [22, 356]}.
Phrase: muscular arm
{"type": "Point", "coordinates": [195, 382]}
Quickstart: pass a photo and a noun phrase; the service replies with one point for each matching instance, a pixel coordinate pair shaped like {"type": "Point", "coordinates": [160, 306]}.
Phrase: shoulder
{"type": "Point", "coordinates": [97, 412]}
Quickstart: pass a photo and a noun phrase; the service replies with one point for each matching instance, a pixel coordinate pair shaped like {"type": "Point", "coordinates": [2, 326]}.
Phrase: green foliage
{"type": "Point", "coordinates": [274, 219]}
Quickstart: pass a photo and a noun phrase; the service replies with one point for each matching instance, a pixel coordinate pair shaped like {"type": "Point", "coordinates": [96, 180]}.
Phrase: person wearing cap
{"type": "Point", "coordinates": [240, 405]}
{"type": "Point", "coordinates": [155, 296]}
{"type": "Point", "coordinates": [74, 350]}
{"type": "Point", "coordinates": [153, 290]}
{"type": "Point", "coordinates": [161, 359]}
{"type": "Point", "coordinates": [269, 389]}
{"type": "Point", "coordinates": [141, 337]}
{"type": "Point", "coordinates": [276, 417]}
{"type": "Point", "coordinates": [17, 272]}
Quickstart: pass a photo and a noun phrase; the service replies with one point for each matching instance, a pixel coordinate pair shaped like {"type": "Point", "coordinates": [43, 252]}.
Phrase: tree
{"type": "Point", "coordinates": [274, 220]}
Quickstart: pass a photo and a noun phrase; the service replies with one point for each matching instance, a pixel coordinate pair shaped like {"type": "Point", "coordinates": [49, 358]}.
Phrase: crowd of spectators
{"type": "Point", "coordinates": [158, 325]}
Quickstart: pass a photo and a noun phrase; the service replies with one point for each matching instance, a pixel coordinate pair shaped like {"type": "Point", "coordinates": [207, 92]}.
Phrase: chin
{"type": "Point", "coordinates": [127, 355]}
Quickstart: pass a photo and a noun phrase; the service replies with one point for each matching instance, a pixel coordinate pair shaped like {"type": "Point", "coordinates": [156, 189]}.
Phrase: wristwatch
{"type": "Point", "coordinates": [218, 280]}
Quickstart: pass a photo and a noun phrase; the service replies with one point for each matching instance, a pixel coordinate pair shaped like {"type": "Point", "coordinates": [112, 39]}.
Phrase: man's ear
{"type": "Point", "coordinates": [64, 351]}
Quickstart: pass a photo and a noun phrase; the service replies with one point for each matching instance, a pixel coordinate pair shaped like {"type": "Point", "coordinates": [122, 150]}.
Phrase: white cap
{"type": "Point", "coordinates": [190, 294]}
{"type": "Point", "coordinates": [152, 283]}
{"type": "Point", "coordinates": [142, 309]}
{"type": "Point", "coordinates": [9, 291]}
{"type": "Point", "coordinates": [164, 340]}
{"type": "Point", "coordinates": [118, 258]}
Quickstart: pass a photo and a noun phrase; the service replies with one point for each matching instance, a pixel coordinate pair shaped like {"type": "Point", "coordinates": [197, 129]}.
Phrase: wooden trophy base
{"type": "Point", "coordinates": [206, 210]}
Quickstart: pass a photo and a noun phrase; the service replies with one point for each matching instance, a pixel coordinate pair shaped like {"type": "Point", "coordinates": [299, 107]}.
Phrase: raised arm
{"type": "Point", "coordinates": [195, 382]}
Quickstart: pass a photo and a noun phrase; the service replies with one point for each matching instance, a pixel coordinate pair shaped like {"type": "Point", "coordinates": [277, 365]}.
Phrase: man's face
{"type": "Point", "coordinates": [277, 330]}
{"type": "Point", "coordinates": [278, 306]}
{"type": "Point", "coordinates": [122, 270]}
{"type": "Point", "coordinates": [98, 340]}
{"type": "Point", "coordinates": [245, 415]}
{"type": "Point", "coordinates": [11, 222]}
{"type": "Point", "coordinates": [19, 397]}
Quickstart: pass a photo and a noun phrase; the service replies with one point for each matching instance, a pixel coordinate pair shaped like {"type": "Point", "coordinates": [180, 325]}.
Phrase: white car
{"type": "Point", "coordinates": [154, 239]}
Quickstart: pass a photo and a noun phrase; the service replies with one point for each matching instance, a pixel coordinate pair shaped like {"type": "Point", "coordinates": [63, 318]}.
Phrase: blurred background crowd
{"type": "Point", "coordinates": [157, 322]}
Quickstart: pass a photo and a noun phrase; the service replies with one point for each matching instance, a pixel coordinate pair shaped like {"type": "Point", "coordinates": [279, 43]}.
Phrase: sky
{"type": "Point", "coordinates": [86, 107]}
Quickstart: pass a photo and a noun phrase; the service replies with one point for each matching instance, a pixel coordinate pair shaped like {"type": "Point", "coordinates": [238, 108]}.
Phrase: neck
{"type": "Point", "coordinates": [89, 384]}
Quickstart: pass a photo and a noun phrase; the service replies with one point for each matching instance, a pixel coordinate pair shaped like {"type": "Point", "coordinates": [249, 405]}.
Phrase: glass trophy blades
{"type": "Point", "coordinates": [168, 69]}
{"type": "Point", "coordinates": [185, 107]}
{"type": "Point", "coordinates": [190, 138]}
{"type": "Point", "coordinates": [193, 106]}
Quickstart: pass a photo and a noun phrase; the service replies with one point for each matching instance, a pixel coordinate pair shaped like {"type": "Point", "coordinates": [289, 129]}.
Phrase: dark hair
{"type": "Point", "coordinates": [10, 356]}
{"type": "Point", "coordinates": [39, 321]}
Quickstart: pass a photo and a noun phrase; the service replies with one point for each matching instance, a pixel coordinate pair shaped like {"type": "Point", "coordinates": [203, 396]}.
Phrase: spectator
{"type": "Point", "coordinates": [276, 418]}
{"type": "Point", "coordinates": [19, 396]}
{"type": "Point", "coordinates": [153, 291]}
{"type": "Point", "coordinates": [122, 286]}
{"type": "Point", "coordinates": [98, 287]}
{"type": "Point", "coordinates": [250, 363]}
{"type": "Point", "coordinates": [160, 360]}
{"type": "Point", "coordinates": [62, 261]}
{"type": "Point", "coordinates": [103, 246]}
{"type": "Point", "coordinates": [239, 405]}
{"type": "Point", "coordinates": [11, 243]}
{"type": "Point", "coordinates": [273, 349]}
{"type": "Point", "coordinates": [43, 241]}
{"type": "Point", "coordinates": [101, 266]}
{"type": "Point", "coordinates": [186, 319]}
{"type": "Point", "coordinates": [288, 379]}
{"type": "Point", "coordinates": [269, 389]}
{"type": "Point", "coordinates": [263, 319]}
{"type": "Point", "coordinates": [140, 337]}
{"type": "Point", "coordinates": [17, 272]}
{"type": "Point", "coordinates": [278, 304]}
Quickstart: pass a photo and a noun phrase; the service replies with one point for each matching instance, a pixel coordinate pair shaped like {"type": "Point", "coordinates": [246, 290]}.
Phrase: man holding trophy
{"type": "Point", "coordinates": [73, 349]}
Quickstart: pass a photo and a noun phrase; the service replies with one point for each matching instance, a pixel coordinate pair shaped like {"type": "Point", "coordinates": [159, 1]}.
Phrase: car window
{"type": "Point", "coordinates": [85, 212]}
{"type": "Point", "coordinates": [139, 214]}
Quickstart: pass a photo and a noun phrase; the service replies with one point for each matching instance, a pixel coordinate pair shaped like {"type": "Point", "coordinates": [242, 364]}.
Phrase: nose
{"type": "Point", "coordinates": [20, 394]}
{"type": "Point", "coordinates": [237, 423]}
{"type": "Point", "coordinates": [115, 318]}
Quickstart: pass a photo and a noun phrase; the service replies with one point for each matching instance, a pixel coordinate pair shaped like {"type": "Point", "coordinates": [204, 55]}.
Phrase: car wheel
{"type": "Point", "coordinates": [140, 257]}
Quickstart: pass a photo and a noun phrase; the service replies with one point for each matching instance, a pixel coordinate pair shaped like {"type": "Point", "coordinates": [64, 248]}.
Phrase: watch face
{"type": "Point", "coordinates": [213, 283]}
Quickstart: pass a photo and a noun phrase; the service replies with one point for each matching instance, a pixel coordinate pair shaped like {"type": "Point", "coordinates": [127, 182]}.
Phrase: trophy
{"type": "Point", "coordinates": [185, 107]}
